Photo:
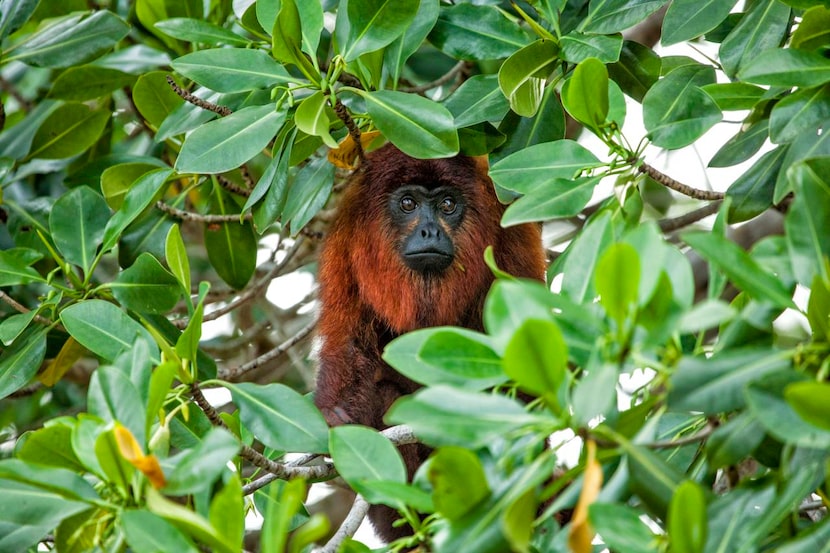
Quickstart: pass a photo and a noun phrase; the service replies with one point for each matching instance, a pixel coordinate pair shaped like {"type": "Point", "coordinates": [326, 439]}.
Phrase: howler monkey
{"type": "Point", "coordinates": [406, 251]}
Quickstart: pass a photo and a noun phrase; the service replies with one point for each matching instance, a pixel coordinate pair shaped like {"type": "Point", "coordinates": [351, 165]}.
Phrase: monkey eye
{"type": "Point", "coordinates": [447, 205]}
{"type": "Point", "coordinates": [408, 204]}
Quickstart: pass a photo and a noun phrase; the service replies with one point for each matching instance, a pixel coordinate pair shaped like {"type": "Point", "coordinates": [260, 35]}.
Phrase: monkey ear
{"type": "Point", "coordinates": [482, 163]}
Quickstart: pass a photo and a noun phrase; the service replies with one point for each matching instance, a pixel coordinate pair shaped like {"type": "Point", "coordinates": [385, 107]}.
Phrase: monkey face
{"type": "Point", "coordinates": [426, 220]}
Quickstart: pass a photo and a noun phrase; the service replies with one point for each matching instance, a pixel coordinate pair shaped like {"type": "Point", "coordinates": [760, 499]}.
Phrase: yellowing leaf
{"type": "Point", "coordinates": [345, 155]}
{"type": "Point", "coordinates": [131, 451]}
{"type": "Point", "coordinates": [69, 353]}
{"type": "Point", "coordinates": [581, 533]}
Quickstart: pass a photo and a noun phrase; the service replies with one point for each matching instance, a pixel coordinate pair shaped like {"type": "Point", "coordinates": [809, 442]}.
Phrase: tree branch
{"type": "Point", "coordinates": [670, 225]}
{"type": "Point", "coordinates": [453, 73]}
{"type": "Point", "coordinates": [354, 131]}
{"type": "Point", "coordinates": [677, 186]}
{"type": "Point", "coordinates": [359, 510]}
{"type": "Point", "coordinates": [196, 101]}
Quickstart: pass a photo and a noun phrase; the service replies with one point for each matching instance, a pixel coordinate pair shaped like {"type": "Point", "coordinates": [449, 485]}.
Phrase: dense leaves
{"type": "Point", "coordinates": [168, 167]}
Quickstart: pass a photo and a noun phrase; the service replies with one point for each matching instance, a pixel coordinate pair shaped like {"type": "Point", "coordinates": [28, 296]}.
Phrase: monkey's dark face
{"type": "Point", "coordinates": [426, 219]}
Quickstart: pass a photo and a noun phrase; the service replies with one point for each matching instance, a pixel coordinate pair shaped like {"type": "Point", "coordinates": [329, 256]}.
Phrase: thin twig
{"type": "Point", "coordinates": [354, 131]}
{"type": "Point", "coordinates": [677, 186]}
{"type": "Point", "coordinates": [231, 186]}
{"type": "Point", "coordinates": [234, 373]}
{"type": "Point", "coordinates": [675, 223]}
{"type": "Point", "coordinates": [456, 70]}
{"type": "Point", "coordinates": [359, 510]}
{"type": "Point", "coordinates": [21, 308]}
{"type": "Point", "coordinates": [196, 101]}
{"type": "Point", "coordinates": [183, 215]}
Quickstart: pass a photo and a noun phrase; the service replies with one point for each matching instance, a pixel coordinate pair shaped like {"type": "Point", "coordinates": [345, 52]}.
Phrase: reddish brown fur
{"type": "Point", "coordinates": [369, 296]}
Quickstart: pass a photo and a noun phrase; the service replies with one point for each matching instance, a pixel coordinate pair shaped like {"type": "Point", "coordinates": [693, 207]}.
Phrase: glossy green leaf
{"type": "Point", "coordinates": [418, 126]}
{"type": "Point", "coordinates": [760, 29]}
{"type": "Point", "coordinates": [767, 402]}
{"type": "Point", "coordinates": [227, 512]}
{"type": "Point", "coordinates": [734, 440]}
{"type": "Point", "coordinates": [374, 24]}
{"type": "Point", "coordinates": [583, 256]}
{"type": "Point", "coordinates": [229, 142]}
{"type": "Point", "coordinates": [652, 478]}
{"type": "Point", "coordinates": [103, 328]}
{"type": "Point", "coordinates": [396, 54]}
{"type": "Point", "coordinates": [441, 415]}
{"type": "Point", "coordinates": [811, 400]}
{"type": "Point", "coordinates": [13, 325]}
{"type": "Point", "coordinates": [585, 95]}
{"type": "Point", "coordinates": [312, 117]}
{"type": "Point", "coordinates": [476, 32]}
{"type": "Point", "coordinates": [804, 111]}
{"type": "Point", "coordinates": [154, 98]}
{"type": "Point", "coordinates": [280, 417]}
{"type": "Point", "coordinates": [751, 193]}
{"type": "Point", "coordinates": [705, 315]}
{"type": "Point", "coordinates": [87, 82]}
{"type": "Point", "coordinates": [198, 468]}
{"type": "Point", "coordinates": [743, 145]}
{"type": "Point", "coordinates": [231, 69]}
{"type": "Point", "coordinates": [477, 100]}
{"type": "Point", "coordinates": [287, 39]}
{"type": "Point", "coordinates": [740, 268]}
{"type": "Point", "coordinates": [146, 286]}
{"type": "Point", "coordinates": [149, 533]}
{"type": "Point", "coordinates": [617, 280]}
{"type": "Point", "coordinates": [77, 222]}
{"type": "Point", "coordinates": [117, 179]}
{"type": "Point", "coordinates": [611, 16]}
{"type": "Point", "coordinates": [596, 393]}
{"type": "Point", "coordinates": [14, 270]}
{"type": "Point", "coordinates": [50, 446]}
{"type": "Point", "coordinates": [13, 14]}
{"type": "Point", "coordinates": [546, 126]}
{"type": "Point", "coordinates": [560, 198]}
{"type": "Point", "coordinates": [716, 384]}
{"type": "Point", "coordinates": [688, 19]}
{"type": "Point", "coordinates": [68, 131]}
{"type": "Point", "coordinates": [806, 145]}
{"type": "Point", "coordinates": [363, 454]}
{"type": "Point", "coordinates": [676, 112]}
{"type": "Point", "coordinates": [637, 69]}
{"type": "Point", "coordinates": [814, 29]}
{"type": "Point", "coordinates": [578, 47]}
{"type": "Point", "coordinates": [808, 220]}
{"type": "Point", "coordinates": [308, 194]}
{"type": "Point", "coordinates": [788, 67]}
{"type": "Point", "coordinates": [522, 76]}
{"type": "Point", "coordinates": [197, 30]}
{"type": "Point", "coordinates": [138, 198]}
{"type": "Point", "coordinates": [176, 257]}
{"type": "Point", "coordinates": [20, 361]}
{"type": "Point", "coordinates": [537, 357]}
{"type": "Point", "coordinates": [71, 40]}
{"type": "Point", "coordinates": [687, 518]}
{"type": "Point", "coordinates": [538, 166]}
{"type": "Point", "coordinates": [396, 494]}
{"type": "Point", "coordinates": [458, 481]}
{"type": "Point", "coordinates": [231, 246]}
{"type": "Point", "coordinates": [622, 527]}
{"type": "Point", "coordinates": [188, 521]}
{"type": "Point", "coordinates": [734, 96]}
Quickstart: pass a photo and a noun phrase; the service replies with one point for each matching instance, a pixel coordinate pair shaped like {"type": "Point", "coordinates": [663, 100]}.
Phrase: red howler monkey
{"type": "Point", "coordinates": [406, 251]}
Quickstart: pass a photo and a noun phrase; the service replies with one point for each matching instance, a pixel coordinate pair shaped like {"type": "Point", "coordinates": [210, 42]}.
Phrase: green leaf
{"type": "Point", "coordinates": [787, 67]}
{"type": "Point", "coordinates": [456, 357]}
{"type": "Point", "coordinates": [734, 441]}
{"type": "Point", "coordinates": [176, 255]}
{"type": "Point", "coordinates": [399, 50]}
{"type": "Point", "coordinates": [676, 112]}
{"type": "Point", "coordinates": [13, 325]}
{"type": "Point", "coordinates": [541, 165]}
{"type": "Point", "coordinates": [536, 358]}
{"type": "Point", "coordinates": [458, 481]}
{"type": "Point", "coordinates": [578, 47]}
{"type": "Point", "coordinates": [441, 415]}
{"type": "Point", "coordinates": [687, 518]}
{"type": "Point", "coordinates": [77, 222]}
{"type": "Point", "coordinates": [104, 329]}
{"type": "Point", "coordinates": [149, 533]}
{"type": "Point", "coordinates": [763, 27]}
{"type": "Point", "coordinates": [734, 96]}
{"type": "Point", "coordinates": [476, 32]}
{"type": "Point", "coordinates": [231, 247]}
{"type": "Point", "coordinates": [814, 29]}
{"type": "Point", "coordinates": [808, 221]}
{"type": "Point", "coordinates": [522, 132]}
{"type": "Point", "coordinates": [751, 193]}
{"type": "Point", "coordinates": [374, 24]}
{"type": "Point", "coordinates": [477, 100]}
{"type": "Point", "coordinates": [227, 512]}
{"type": "Point", "coordinates": [585, 95]}
{"type": "Point", "coordinates": [196, 30]}
{"type": "Point", "coordinates": [811, 400]}
{"type": "Point", "coordinates": [87, 82]}
{"type": "Point", "coordinates": [14, 270]}
{"type": "Point", "coordinates": [196, 469]}
{"type": "Point", "coordinates": [68, 131]}
{"type": "Point", "coordinates": [705, 315]}
{"type": "Point", "coordinates": [154, 98]}
{"type": "Point", "coordinates": [114, 398]}
{"type": "Point", "coordinates": [715, 385]}
{"type": "Point", "coordinates": [743, 145]}
{"type": "Point", "coordinates": [617, 280]}
{"type": "Point", "coordinates": [418, 126]}
{"type": "Point", "coordinates": [20, 361]}
{"type": "Point", "coordinates": [611, 16]}
{"type": "Point", "coordinates": [13, 14]}
{"type": "Point", "coordinates": [804, 111]}
{"type": "Point", "coordinates": [138, 198]}
{"type": "Point", "coordinates": [396, 495]}
{"type": "Point", "coordinates": [229, 142]}
{"type": "Point", "coordinates": [187, 521]}
{"type": "Point", "coordinates": [637, 69]}
{"type": "Point", "coordinates": [560, 198]}
{"type": "Point", "coordinates": [808, 145]}
{"type": "Point", "coordinates": [622, 527]}
{"type": "Point", "coordinates": [308, 194]}
{"type": "Point", "coordinates": [522, 76]}
{"type": "Point", "coordinates": [688, 19]}
{"type": "Point", "coordinates": [146, 286]}
{"type": "Point", "coordinates": [116, 180]}
{"type": "Point", "coordinates": [280, 417]}
{"type": "Point", "coordinates": [231, 69]}
{"type": "Point", "coordinates": [363, 454]}
{"type": "Point", "coordinates": [312, 117]}
{"type": "Point", "coordinates": [70, 40]}
{"type": "Point", "coordinates": [596, 393]}
{"type": "Point", "coordinates": [740, 268]}
{"type": "Point", "coordinates": [653, 479]}
{"type": "Point", "coordinates": [287, 38]}
{"type": "Point", "coordinates": [49, 446]}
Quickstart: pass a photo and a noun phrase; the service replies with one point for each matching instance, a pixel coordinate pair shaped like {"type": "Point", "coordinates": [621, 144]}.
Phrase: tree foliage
{"type": "Point", "coordinates": [163, 161]}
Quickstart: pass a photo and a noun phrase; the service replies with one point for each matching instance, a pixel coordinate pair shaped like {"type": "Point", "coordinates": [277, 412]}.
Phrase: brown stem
{"type": "Point", "coordinates": [234, 188]}
{"type": "Point", "coordinates": [196, 101]}
{"type": "Point", "coordinates": [456, 70]}
{"type": "Point", "coordinates": [344, 115]}
{"type": "Point", "coordinates": [677, 186]}
{"type": "Point", "coordinates": [235, 373]}
{"type": "Point", "coordinates": [670, 225]}
{"type": "Point", "coordinates": [21, 308]}
{"type": "Point", "coordinates": [198, 217]}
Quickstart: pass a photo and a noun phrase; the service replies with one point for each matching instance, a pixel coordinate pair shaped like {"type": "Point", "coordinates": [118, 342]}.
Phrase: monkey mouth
{"type": "Point", "coordinates": [428, 261]}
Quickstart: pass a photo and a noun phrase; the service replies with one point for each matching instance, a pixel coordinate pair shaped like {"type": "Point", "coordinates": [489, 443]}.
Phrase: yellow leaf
{"type": "Point", "coordinates": [131, 451]}
{"type": "Point", "coordinates": [345, 156]}
{"type": "Point", "coordinates": [581, 533]}
{"type": "Point", "coordinates": [69, 353]}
